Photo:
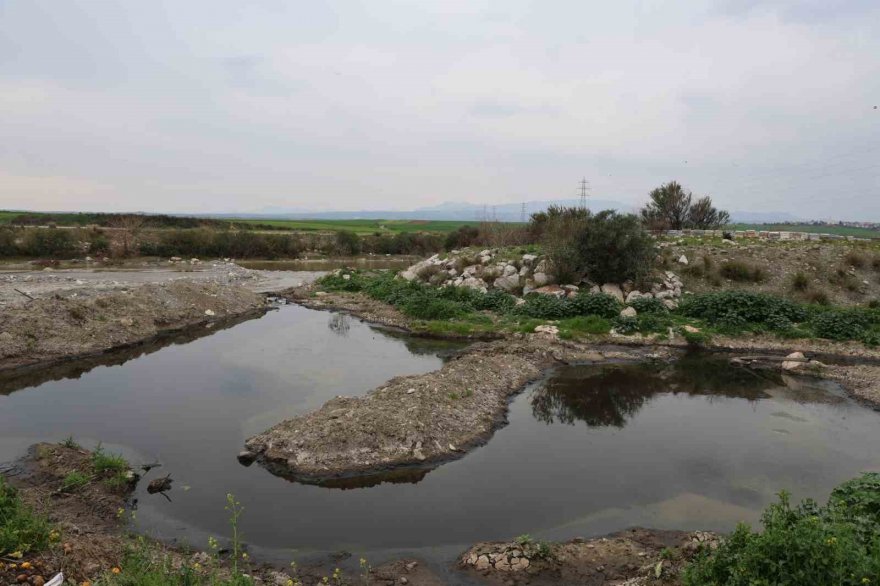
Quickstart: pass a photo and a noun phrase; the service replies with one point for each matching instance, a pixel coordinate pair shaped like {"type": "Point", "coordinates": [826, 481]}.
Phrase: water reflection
{"type": "Point", "coordinates": [339, 324]}
{"type": "Point", "coordinates": [609, 395]}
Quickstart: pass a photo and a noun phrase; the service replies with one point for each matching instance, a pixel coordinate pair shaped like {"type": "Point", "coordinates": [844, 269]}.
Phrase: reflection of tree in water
{"type": "Point", "coordinates": [424, 346]}
{"type": "Point", "coordinates": [339, 324]}
{"type": "Point", "coordinates": [608, 395]}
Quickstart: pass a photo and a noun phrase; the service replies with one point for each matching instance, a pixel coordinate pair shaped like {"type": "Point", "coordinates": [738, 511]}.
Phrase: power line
{"type": "Point", "coordinates": [583, 192]}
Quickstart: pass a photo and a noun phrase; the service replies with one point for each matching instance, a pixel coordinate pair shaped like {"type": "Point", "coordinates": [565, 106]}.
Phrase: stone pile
{"type": "Point", "coordinates": [529, 273]}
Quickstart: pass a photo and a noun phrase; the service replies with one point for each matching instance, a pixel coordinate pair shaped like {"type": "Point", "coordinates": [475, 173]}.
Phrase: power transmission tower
{"type": "Point", "coordinates": [522, 213]}
{"type": "Point", "coordinates": [494, 215]}
{"type": "Point", "coordinates": [584, 191]}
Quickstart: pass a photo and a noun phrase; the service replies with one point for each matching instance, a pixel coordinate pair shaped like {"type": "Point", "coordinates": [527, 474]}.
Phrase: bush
{"type": "Point", "coordinates": [7, 243]}
{"type": "Point", "coordinates": [818, 297]}
{"type": "Point", "coordinates": [673, 208]}
{"type": "Point", "coordinates": [215, 243]}
{"type": "Point", "coordinates": [462, 238]}
{"type": "Point", "coordinates": [585, 324]}
{"type": "Point", "coordinates": [648, 305]}
{"type": "Point", "coordinates": [738, 308]}
{"type": "Point", "coordinates": [855, 259]}
{"type": "Point", "coordinates": [742, 272]}
{"type": "Point", "coordinates": [559, 229]}
{"type": "Point", "coordinates": [614, 248]}
{"type": "Point", "coordinates": [346, 243]}
{"type": "Point", "coordinates": [841, 324]}
{"type": "Point", "coordinates": [600, 304]}
{"type": "Point", "coordinates": [50, 242]}
{"type": "Point", "coordinates": [803, 545]}
{"type": "Point", "coordinates": [544, 307]}
{"type": "Point", "coordinates": [428, 307]}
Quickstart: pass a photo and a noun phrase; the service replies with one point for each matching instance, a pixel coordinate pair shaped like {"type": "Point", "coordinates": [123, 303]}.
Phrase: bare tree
{"type": "Point", "coordinates": [129, 227]}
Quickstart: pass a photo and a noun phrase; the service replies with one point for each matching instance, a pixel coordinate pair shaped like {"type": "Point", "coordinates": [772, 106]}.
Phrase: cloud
{"type": "Point", "coordinates": [225, 106]}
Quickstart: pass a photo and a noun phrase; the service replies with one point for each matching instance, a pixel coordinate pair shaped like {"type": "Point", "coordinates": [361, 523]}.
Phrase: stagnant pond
{"type": "Point", "coordinates": [591, 449]}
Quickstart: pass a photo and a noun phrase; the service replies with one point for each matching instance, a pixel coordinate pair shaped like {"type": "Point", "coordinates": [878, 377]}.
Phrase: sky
{"type": "Point", "coordinates": [243, 105]}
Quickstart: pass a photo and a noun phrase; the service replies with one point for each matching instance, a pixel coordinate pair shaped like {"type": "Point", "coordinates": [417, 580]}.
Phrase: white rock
{"type": "Point", "coordinates": [633, 295]}
{"type": "Point", "coordinates": [209, 312]}
{"type": "Point", "coordinates": [614, 290]}
{"type": "Point", "coordinates": [628, 312]}
{"type": "Point", "coordinates": [683, 260]}
{"type": "Point", "coordinates": [542, 279]}
{"type": "Point", "coordinates": [798, 362]}
{"type": "Point", "coordinates": [547, 329]}
{"type": "Point", "coordinates": [507, 283]}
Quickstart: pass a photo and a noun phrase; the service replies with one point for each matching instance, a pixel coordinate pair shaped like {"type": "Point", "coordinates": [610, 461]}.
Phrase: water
{"type": "Point", "coordinates": [330, 264]}
{"type": "Point", "coordinates": [589, 450]}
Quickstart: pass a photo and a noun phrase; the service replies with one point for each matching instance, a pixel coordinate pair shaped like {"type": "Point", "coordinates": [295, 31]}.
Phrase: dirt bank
{"type": "Point", "coordinates": [632, 557]}
{"type": "Point", "coordinates": [416, 421]}
{"type": "Point", "coordinates": [57, 327]}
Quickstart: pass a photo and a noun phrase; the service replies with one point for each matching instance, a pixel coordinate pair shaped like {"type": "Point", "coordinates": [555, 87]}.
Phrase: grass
{"type": "Point", "coordinates": [74, 481]}
{"type": "Point", "coordinates": [742, 272]}
{"type": "Point", "coordinates": [21, 529]}
{"type": "Point", "coordinates": [103, 462]}
{"type": "Point", "coordinates": [364, 226]}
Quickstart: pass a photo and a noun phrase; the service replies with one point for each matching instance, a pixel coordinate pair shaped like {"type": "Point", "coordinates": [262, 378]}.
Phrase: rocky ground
{"type": "Point", "coordinates": [846, 273]}
{"type": "Point", "coordinates": [628, 558]}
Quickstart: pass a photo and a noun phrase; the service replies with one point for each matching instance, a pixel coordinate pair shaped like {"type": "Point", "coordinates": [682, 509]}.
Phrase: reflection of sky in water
{"type": "Point", "coordinates": [595, 449]}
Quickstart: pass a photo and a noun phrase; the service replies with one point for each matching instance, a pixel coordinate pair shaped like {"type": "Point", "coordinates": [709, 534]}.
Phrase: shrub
{"type": "Point", "coordinates": [48, 242]}
{"type": "Point", "coordinates": [800, 281]}
{"type": "Point", "coordinates": [614, 248]}
{"type": "Point", "coordinates": [741, 307]}
{"type": "Point", "coordinates": [7, 243]}
{"type": "Point", "coordinates": [544, 307]}
{"type": "Point", "coordinates": [462, 238]}
{"type": "Point", "coordinates": [626, 325]}
{"type": "Point", "coordinates": [818, 297]}
{"type": "Point", "coordinates": [104, 462]}
{"type": "Point", "coordinates": [855, 259]}
{"type": "Point", "coordinates": [600, 304]}
{"type": "Point", "coordinates": [346, 243]}
{"type": "Point", "coordinates": [672, 208]}
{"type": "Point", "coordinates": [585, 324]}
{"type": "Point", "coordinates": [841, 324]}
{"type": "Point", "coordinates": [648, 305]}
{"type": "Point", "coordinates": [559, 230]}
{"type": "Point", "coordinates": [429, 308]}
{"type": "Point", "coordinates": [20, 528]}
{"type": "Point", "coordinates": [742, 272]}
{"type": "Point", "coordinates": [74, 481]}
{"type": "Point", "coordinates": [808, 544]}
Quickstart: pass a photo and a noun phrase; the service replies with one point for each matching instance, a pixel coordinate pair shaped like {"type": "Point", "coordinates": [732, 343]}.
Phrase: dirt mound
{"type": "Point", "coordinates": [56, 328]}
{"type": "Point", "coordinates": [412, 421]}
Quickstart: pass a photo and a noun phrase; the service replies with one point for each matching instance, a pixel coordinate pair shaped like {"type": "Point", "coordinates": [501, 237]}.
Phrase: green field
{"type": "Point", "coordinates": [841, 230]}
{"type": "Point", "coordinates": [363, 226]}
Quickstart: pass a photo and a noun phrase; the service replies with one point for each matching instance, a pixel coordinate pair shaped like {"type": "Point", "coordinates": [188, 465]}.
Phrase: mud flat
{"type": "Point", "coordinates": [417, 421]}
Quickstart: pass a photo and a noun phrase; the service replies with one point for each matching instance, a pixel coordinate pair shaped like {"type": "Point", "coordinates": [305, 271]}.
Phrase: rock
{"type": "Point", "coordinates": [507, 283]}
{"type": "Point", "coordinates": [633, 295]}
{"type": "Point", "coordinates": [691, 329]}
{"type": "Point", "coordinates": [209, 312]}
{"type": "Point", "coordinates": [519, 301]}
{"type": "Point", "coordinates": [541, 279]}
{"type": "Point", "coordinates": [509, 270]}
{"type": "Point", "coordinates": [246, 457]}
{"type": "Point", "coordinates": [404, 580]}
{"type": "Point", "coordinates": [126, 321]}
{"type": "Point", "coordinates": [683, 260]}
{"type": "Point", "coordinates": [547, 329]}
{"type": "Point", "coordinates": [474, 283]}
{"type": "Point", "coordinates": [670, 304]}
{"type": "Point", "coordinates": [613, 290]}
{"type": "Point", "coordinates": [411, 566]}
{"type": "Point", "coordinates": [407, 275]}
{"type": "Point", "coordinates": [482, 563]}
{"type": "Point", "coordinates": [528, 259]}
{"type": "Point", "coordinates": [629, 312]}
{"type": "Point", "coordinates": [553, 290]}
{"type": "Point", "coordinates": [799, 361]}
{"type": "Point", "coordinates": [663, 295]}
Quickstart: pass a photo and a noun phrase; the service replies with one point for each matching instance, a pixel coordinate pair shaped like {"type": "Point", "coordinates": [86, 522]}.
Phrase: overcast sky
{"type": "Point", "coordinates": [237, 105]}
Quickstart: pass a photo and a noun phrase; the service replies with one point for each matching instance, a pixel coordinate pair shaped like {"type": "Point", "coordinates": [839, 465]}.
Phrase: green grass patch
{"type": "Point", "coordinates": [74, 481]}
{"type": "Point", "coordinates": [103, 462]}
{"type": "Point", "coordinates": [21, 529]}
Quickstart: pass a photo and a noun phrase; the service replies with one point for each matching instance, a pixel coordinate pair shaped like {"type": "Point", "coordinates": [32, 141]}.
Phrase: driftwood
{"type": "Point", "coordinates": [25, 294]}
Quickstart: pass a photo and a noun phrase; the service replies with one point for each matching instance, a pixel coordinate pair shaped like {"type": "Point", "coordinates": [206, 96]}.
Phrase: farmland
{"type": "Point", "coordinates": [813, 228]}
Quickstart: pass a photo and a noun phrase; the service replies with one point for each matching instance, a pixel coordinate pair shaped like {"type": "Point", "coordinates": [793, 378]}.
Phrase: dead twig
{"type": "Point", "coordinates": [25, 294]}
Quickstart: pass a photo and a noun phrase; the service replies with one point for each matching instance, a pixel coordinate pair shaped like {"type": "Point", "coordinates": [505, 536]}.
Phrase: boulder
{"type": "Point", "coordinates": [554, 290]}
{"type": "Point", "coordinates": [474, 283]}
{"type": "Point", "coordinates": [509, 270]}
{"type": "Point", "coordinates": [670, 304]}
{"type": "Point", "coordinates": [683, 260]}
{"type": "Point", "coordinates": [528, 259]}
{"type": "Point", "coordinates": [613, 290]}
{"type": "Point", "coordinates": [542, 279]}
{"type": "Point", "coordinates": [633, 295]}
{"type": "Point", "coordinates": [794, 361]}
{"type": "Point", "coordinates": [628, 312]}
{"type": "Point", "coordinates": [508, 283]}
{"type": "Point", "coordinates": [547, 329]}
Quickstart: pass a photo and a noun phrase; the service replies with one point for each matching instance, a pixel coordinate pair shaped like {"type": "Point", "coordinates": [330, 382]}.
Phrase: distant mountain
{"type": "Point", "coordinates": [762, 217]}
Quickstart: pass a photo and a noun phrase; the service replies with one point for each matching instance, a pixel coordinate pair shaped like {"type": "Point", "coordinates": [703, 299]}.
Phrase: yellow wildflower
{"type": "Point", "coordinates": [116, 570]}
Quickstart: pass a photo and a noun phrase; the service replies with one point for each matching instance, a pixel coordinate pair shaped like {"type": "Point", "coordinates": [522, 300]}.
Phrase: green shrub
{"type": "Point", "coordinates": [738, 308]}
{"type": "Point", "coordinates": [544, 307]}
{"type": "Point", "coordinates": [429, 307]}
{"type": "Point", "coordinates": [808, 544]}
{"type": "Point", "coordinates": [74, 481]}
{"type": "Point", "coordinates": [20, 528]}
{"type": "Point", "coordinates": [495, 300]}
{"type": "Point", "coordinates": [855, 259]}
{"type": "Point", "coordinates": [7, 243]}
{"type": "Point", "coordinates": [626, 325]}
{"type": "Point", "coordinates": [462, 238]}
{"type": "Point", "coordinates": [600, 304]}
{"type": "Point", "coordinates": [648, 305]}
{"type": "Point", "coordinates": [742, 272]}
{"type": "Point", "coordinates": [51, 242]}
{"type": "Point", "coordinates": [818, 297]}
{"type": "Point", "coordinates": [614, 248]}
{"type": "Point", "coordinates": [346, 243]}
{"type": "Point", "coordinates": [841, 324]}
{"type": "Point", "coordinates": [103, 462]}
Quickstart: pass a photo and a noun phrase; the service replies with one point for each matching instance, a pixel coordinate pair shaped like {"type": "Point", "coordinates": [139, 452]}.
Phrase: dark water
{"type": "Point", "coordinates": [591, 449]}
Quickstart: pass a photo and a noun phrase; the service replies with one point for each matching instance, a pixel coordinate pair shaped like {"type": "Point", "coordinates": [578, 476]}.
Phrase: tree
{"type": "Point", "coordinates": [614, 248]}
{"type": "Point", "coordinates": [673, 208]}
{"type": "Point", "coordinates": [129, 227]}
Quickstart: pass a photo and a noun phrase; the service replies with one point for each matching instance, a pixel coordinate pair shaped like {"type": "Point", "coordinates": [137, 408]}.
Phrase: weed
{"type": "Point", "coordinates": [818, 298]}
{"type": "Point", "coordinates": [74, 481]}
{"type": "Point", "coordinates": [103, 462]}
{"type": "Point", "coordinates": [70, 443]}
{"type": "Point", "coordinates": [800, 281]}
{"type": "Point", "coordinates": [21, 529]}
{"type": "Point", "coordinates": [584, 324]}
{"type": "Point", "coordinates": [855, 259]}
{"type": "Point", "coordinates": [742, 272]}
